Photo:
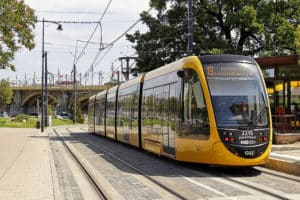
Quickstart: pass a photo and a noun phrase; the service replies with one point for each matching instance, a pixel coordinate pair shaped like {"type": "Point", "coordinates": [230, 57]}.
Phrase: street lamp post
{"type": "Point", "coordinates": [45, 76]}
{"type": "Point", "coordinates": [75, 99]}
{"type": "Point", "coordinates": [46, 90]}
{"type": "Point", "coordinates": [43, 70]}
{"type": "Point", "coordinates": [74, 83]}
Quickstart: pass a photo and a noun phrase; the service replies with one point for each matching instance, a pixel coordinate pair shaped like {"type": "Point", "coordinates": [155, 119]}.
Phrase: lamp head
{"type": "Point", "coordinates": [59, 27]}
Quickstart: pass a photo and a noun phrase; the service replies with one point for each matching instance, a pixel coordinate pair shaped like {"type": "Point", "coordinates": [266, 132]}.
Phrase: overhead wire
{"type": "Point", "coordinates": [98, 24]}
{"type": "Point", "coordinates": [117, 39]}
{"type": "Point", "coordinates": [104, 55]}
{"type": "Point", "coordinates": [68, 12]}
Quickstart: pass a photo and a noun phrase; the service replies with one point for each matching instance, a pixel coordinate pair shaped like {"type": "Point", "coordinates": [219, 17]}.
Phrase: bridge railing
{"type": "Point", "coordinates": [63, 87]}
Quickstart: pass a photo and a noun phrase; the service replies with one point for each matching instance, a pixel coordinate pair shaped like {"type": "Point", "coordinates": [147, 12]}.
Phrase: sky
{"type": "Point", "coordinates": [61, 45]}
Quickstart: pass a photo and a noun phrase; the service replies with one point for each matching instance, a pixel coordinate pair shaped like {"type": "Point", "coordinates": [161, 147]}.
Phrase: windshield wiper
{"type": "Point", "coordinates": [254, 123]}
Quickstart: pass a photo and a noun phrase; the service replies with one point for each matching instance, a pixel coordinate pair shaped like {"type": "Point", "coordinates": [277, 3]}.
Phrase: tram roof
{"type": "Point", "coordinates": [113, 89]}
{"type": "Point", "coordinates": [92, 97]}
{"type": "Point", "coordinates": [100, 94]}
{"type": "Point", "coordinates": [226, 58]}
{"type": "Point", "coordinates": [133, 81]}
{"type": "Point", "coordinates": [165, 69]}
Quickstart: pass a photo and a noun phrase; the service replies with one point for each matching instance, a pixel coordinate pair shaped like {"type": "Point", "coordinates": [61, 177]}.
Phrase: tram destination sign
{"type": "Point", "coordinates": [227, 71]}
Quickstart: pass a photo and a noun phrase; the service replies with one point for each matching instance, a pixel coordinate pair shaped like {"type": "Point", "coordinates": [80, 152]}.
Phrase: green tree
{"type": "Point", "coordinates": [16, 30]}
{"type": "Point", "coordinates": [254, 27]}
{"type": "Point", "coordinates": [297, 40]}
{"type": "Point", "coordinates": [79, 115]}
{"type": "Point", "coordinates": [6, 93]}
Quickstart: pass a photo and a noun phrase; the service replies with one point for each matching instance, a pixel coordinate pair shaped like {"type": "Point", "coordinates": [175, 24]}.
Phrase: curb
{"type": "Point", "coordinates": [287, 166]}
{"type": "Point", "coordinates": [286, 138]}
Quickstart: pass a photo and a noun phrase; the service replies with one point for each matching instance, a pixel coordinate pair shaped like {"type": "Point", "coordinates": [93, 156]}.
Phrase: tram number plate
{"type": "Point", "coordinates": [246, 142]}
{"type": "Point", "coordinates": [247, 133]}
{"type": "Point", "coordinates": [247, 136]}
{"type": "Point", "coordinates": [249, 153]}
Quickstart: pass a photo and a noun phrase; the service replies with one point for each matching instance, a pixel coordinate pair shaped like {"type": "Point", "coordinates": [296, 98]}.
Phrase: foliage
{"type": "Point", "coordinates": [79, 115]}
{"type": "Point", "coordinates": [30, 122]}
{"type": "Point", "coordinates": [16, 30]}
{"type": "Point", "coordinates": [297, 39]}
{"type": "Point", "coordinates": [50, 111]}
{"type": "Point", "coordinates": [3, 120]}
{"type": "Point", "coordinates": [239, 27]}
{"type": "Point", "coordinates": [21, 118]}
{"type": "Point", "coordinates": [6, 93]}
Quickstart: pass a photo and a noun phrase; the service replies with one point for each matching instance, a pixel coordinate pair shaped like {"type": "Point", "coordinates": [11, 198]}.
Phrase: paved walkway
{"type": "Point", "coordinates": [25, 168]}
{"type": "Point", "coordinates": [287, 150]}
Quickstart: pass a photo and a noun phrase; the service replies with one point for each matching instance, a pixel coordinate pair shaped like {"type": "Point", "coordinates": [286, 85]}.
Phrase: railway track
{"type": "Point", "coordinates": [144, 174]}
{"type": "Point", "coordinates": [173, 194]}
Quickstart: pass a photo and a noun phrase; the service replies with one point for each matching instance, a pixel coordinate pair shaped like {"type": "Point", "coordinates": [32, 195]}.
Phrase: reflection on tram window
{"type": "Point", "coordinates": [195, 111]}
{"type": "Point", "coordinates": [110, 110]}
{"type": "Point", "coordinates": [128, 108]}
{"type": "Point", "coordinates": [238, 103]}
{"type": "Point", "coordinates": [160, 106]}
{"type": "Point", "coordinates": [233, 108]}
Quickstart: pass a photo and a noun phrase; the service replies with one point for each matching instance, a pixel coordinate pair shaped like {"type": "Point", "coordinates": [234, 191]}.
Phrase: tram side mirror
{"type": "Point", "coordinates": [180, 73]}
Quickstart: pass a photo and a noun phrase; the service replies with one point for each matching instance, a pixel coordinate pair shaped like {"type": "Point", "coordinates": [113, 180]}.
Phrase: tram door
{"type": "Point", "coordinates": [168, 119]}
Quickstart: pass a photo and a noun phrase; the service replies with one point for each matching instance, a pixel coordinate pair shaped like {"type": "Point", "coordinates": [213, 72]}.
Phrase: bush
{"type": "Point", "coordinates": [21, 118]}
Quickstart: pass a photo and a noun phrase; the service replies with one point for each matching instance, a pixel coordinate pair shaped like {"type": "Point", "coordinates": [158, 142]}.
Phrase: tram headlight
{"type": "Point", "coordinates": [263, 139]}
{"type": "Point", "coordinates": [232, 139]}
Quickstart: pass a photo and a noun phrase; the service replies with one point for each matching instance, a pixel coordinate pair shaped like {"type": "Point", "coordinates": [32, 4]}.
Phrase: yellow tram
{"type": "Point", "coordinates": [209, 109]}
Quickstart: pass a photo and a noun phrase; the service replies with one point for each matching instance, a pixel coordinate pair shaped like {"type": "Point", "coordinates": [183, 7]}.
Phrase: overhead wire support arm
{"type": "Point", "coordinates": [69, 22]}
{"type": "Point", "coordinates": [126, 72]}
{"type": "Point", "coordinates": [117, 39]}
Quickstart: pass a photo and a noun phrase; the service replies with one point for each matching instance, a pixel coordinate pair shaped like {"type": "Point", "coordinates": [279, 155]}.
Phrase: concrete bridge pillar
{"type": "Point", "coordinates": [16, 106]}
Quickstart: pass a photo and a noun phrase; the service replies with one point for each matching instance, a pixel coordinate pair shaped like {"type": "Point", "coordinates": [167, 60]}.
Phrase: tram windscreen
{"type": "Point", "coordinates": [237, 94]}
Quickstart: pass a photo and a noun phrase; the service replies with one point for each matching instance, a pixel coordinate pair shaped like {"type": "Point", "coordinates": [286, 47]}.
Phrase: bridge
{"type": "Point", "coordinates": [28, 99]}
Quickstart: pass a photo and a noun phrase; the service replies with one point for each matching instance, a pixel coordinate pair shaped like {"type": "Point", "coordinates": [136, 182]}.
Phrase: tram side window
{"type": "Point", "coordinates": [148, 104]}
{"type": "Point", "coordinates": [126, 105]}
{"type": "Point", "coordinates": [195, 120]}
{"type": "Point", "coordinates": [91, 112]}
{"type": "Point", "coordinates": [120, 111]}
{"type": "Point", "coordinates": [128, 108]}
{"type": "Point", "coordinates": [97, 110]}
{"type": "Point", "coordinates": [134, 109]}
{"type": "Point", "coordinates": [110, 112]}
{"type": "Point", "coordinates": [158, 106]}
{"type": "Point", "coordinates": [102, 110]}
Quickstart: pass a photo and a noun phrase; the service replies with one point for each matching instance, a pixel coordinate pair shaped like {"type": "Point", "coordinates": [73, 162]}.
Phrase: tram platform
{"type": "Point", "coordinates": [285, 158]}
{"type": "Point", "coordinates": [27, 165]}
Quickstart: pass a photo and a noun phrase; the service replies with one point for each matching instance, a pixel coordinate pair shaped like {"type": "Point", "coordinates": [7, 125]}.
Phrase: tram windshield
{"type": "Point", "coordinates": [237, 94]}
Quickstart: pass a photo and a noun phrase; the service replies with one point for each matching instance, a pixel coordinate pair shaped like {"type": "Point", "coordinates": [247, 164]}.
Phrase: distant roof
{"type": "Point", "coordinates": [276, 61]}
